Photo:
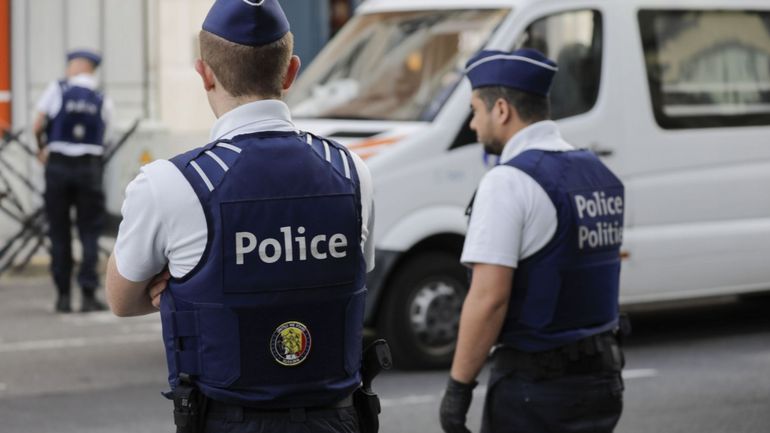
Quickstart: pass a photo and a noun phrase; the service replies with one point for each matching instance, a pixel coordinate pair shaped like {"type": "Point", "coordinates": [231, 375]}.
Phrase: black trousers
{"type": "Point", "coordinates": [568, 404]}
{"type": "Point", "coordinates": [74, 182]}
{"type": "Point", "coordinates": [343, 420]}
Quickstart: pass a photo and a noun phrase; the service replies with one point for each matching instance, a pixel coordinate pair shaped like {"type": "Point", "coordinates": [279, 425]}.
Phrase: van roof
{"type": "Point", "coordinates": [371, 6]}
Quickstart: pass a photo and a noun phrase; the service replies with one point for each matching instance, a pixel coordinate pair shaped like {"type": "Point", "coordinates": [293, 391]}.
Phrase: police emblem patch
{"type": "Point", "coordinates": [290, 343]}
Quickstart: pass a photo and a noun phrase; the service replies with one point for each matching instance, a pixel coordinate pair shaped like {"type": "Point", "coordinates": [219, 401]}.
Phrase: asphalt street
{"type": "Point", "coordinates": [701, 368]}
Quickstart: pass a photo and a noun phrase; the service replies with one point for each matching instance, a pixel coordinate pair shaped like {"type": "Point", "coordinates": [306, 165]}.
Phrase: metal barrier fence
{"type": "Point", "coordinates": [31, 235]}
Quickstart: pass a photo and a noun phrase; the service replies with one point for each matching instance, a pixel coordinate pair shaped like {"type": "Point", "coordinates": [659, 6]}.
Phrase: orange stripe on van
{"type": "Point", "coordinates": [5, 63]}
{"type": "Point", "coordinates": [375, 142]}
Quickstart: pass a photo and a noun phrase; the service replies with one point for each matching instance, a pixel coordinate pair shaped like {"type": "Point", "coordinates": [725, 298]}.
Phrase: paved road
{"type": "Point", "coordinates": [703, 369]}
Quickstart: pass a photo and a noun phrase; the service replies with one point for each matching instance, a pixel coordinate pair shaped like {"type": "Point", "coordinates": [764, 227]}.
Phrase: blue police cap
{"type": "Point", "coordinates": [95, 58]}
{"type": "Point", "coordinates": [525, 69]}
{"type": "Point", "coordinates": [247, 22]}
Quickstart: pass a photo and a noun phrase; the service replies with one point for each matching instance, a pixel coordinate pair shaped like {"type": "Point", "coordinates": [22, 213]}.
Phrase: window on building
{"type": "Point", "coordinates": [707, 68]}
{"type": "Point", "coordinates": [574, 40]}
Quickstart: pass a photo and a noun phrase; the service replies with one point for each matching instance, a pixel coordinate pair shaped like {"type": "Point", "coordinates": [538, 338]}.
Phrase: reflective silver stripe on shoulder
{"type": "Point", "coordinates": [202, 175]}
{"type": "Point", "coordinates": [345, 163]}
{"type": "Point", "coordinates": [309, 139]}
{"type": "Point", "coordinates": [327, 153]}
{"type": "Point", "coordinates": [230, 147]}
{"type": "Point", "coordinates": [218, 160]}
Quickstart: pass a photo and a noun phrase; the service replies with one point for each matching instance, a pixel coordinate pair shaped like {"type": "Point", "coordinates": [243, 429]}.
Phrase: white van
{"type": "Point", "coordinates": [673, 95]}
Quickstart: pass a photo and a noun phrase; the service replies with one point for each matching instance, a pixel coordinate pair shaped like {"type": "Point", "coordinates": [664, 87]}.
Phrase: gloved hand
{"type": "Point", "coordinates": [454, 406]}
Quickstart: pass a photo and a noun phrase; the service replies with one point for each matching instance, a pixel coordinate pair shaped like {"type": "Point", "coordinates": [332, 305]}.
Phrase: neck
{"type": "Point", "coordinates": [227, 103]}
{"type": "Point", "coordinates": [513, 129]}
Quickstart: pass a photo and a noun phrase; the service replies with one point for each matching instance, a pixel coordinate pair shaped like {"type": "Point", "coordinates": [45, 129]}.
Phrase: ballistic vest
{"type": "Point", "coordinates": [79, 120]}
{"type": "Point", "coordinates": [568, 290]}
{"type": "Point", "coordinates": [272, 315]}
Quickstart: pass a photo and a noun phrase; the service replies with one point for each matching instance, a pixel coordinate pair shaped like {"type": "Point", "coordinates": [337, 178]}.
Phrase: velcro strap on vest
{"type": "Point", "coordinates": [186, 341]}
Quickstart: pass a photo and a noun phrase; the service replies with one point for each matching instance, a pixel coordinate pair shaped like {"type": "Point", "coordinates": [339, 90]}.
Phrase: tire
{"type": "Point", "coordinates": [421, 312]}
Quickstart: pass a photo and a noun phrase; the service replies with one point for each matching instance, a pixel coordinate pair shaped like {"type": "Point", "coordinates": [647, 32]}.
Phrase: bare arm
{"type": "Point", "coordinates": [129, 298]}
{"type": "Point", "coordinates": [38, 128]}
{"type": "Point", "coordinates": [482, 318]}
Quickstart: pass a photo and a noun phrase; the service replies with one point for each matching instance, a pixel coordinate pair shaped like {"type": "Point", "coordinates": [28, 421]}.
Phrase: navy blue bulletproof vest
{"type": "Point", "coordinates": [568, 290]}
{"type": "Point", "coordinates": [272, 315]}
{"type": "Point", "coordinates": [79, 120]}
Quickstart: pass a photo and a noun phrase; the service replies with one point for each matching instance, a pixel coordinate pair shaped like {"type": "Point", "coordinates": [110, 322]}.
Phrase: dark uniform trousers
{"type": "Point", "coordinates": [74, 181]}
{"type": "Point", "coordinates": [551, 392]}
{"type": "Point", "coordinates": [569, 404]}
{"type": "Point", "coordinates": [234, 419]}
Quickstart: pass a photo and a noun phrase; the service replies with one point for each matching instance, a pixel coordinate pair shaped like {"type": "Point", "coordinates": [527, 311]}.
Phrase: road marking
{"type": "Point", "coordinates": [480, 391]}
{"type": "Point", "coordinates": [66, 343]}
{"type": "Point", "coordinates": [408, 400]}
{"type": "Point", "coordinates": [639, 373]}
{"type": "Point", "coordinates": [105, 317]}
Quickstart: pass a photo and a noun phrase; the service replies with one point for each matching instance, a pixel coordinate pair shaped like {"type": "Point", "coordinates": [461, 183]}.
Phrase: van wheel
{"type": "Point", "coordinates": [421, 314]}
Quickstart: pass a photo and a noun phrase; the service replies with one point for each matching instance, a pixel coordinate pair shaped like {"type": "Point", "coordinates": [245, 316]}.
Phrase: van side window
{"type": "Point", "coordinates": [707, 68]}
{"type": "Point", "coordinates": [574, 40]}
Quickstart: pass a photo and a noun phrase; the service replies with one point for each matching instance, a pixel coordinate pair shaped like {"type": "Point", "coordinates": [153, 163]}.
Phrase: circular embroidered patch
{"type": "Point", "coordinates": [290, 343]}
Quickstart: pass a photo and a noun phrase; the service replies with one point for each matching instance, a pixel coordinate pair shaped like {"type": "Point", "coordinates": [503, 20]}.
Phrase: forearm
{"type": "Point", "coordinates": [126, 298]}
{"type": "Point", "coordinates": [480, 324]}
{"type": "Point", "coordinates": [38, 130]}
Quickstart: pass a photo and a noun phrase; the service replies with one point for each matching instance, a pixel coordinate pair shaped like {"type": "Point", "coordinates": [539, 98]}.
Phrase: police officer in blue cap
{"type": "Point", "coordinates": [73, 115]}
{"type": "Point", "coordinates": [544, 246]}
{"type": "Point", "coordinates": [263, 237]}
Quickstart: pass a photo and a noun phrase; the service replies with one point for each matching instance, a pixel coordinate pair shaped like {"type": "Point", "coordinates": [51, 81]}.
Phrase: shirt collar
{"type": "Point", "coordinates": [84, 80]}
{"type": "Point", "coordinates": [257, 116]}
{"type": "Point", "coordinates": [543, 135]}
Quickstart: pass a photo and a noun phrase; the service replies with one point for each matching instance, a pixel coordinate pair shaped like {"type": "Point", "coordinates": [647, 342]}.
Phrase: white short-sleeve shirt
{"type": "Point", "coordinates": [163, 220]}
{"type": "Point", "coordinates": [513, 217]}
{"type": "Point", "coordinates": [50, 105]}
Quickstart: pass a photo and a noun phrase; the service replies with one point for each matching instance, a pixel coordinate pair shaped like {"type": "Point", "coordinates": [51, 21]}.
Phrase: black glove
{"type": "Point", "coordinates": [454, 406]}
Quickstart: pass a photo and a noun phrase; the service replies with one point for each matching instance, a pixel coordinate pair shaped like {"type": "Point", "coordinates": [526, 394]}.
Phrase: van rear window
{"type": "Point", "coordinates": [707, 68]}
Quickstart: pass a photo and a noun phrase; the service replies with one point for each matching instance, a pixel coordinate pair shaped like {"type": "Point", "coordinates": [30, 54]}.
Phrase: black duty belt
{"type": "Point", "coordinates": [595, 354]}
{"type": "Point", "coordinates": [219, 409]}
{"type": "Point", "coordinates": [80, 159]}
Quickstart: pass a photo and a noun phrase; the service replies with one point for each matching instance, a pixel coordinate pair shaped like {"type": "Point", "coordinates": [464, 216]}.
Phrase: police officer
{"type": "Point", "coordinates": [543, 243]}
{"type": "Point", "coordinates": [73, 115]}
{"type": "Point", "coordinates": [265, 234]}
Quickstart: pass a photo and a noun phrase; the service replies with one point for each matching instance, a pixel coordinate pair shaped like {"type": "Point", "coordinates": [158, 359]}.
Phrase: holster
{"type": "Point", "coordinates": [189, 406]}
{"type": "Point", "coordinates": [376, 358]}
{"type": "Point", "coordinates": [367, 405]}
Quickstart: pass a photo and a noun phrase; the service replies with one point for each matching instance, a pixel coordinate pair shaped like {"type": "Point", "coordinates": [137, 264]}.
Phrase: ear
{"type": "Point", "coordinates": [504, 112]}
{"type": "Point", "coordinates": [206, 74]}
{"type": "Point", "coordinates": [291, 72]}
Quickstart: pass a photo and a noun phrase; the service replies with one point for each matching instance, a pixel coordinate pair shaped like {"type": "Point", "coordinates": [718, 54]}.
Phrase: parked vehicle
{"type": "Point", "coordinates": [674, 96]}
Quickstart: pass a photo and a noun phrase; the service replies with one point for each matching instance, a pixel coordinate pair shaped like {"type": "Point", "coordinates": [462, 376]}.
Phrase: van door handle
{"type": "Point", "coordinates": [601, 151]}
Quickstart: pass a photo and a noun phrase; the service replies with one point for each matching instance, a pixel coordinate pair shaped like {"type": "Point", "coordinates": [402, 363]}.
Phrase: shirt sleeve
{"type": "Point", "coordinates": [513, 218]}
{"type": "Point", "coordinates": [140, 245]}
{"type": "Point", "coordinates": [50, 101]}
{"type": "Point", "coordinates": [367, 210]}
{"type": "Point", "coordinates": [495, 229]}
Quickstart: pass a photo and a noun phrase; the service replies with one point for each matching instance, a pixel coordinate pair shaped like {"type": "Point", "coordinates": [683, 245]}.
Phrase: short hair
{"type": "Point", "coordinates": [531, 107]}
{"type": "Point", "coordinates": [245, 70]}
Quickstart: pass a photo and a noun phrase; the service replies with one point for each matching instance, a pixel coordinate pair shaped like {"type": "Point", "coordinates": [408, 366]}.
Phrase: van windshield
{"type": "Point", "coordinates": [393, 66]}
